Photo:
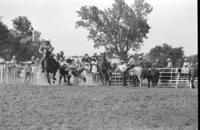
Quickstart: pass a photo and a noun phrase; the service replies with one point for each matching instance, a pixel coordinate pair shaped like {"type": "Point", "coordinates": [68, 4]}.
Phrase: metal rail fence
{"type": "Point", "coordinates": [169, 77]}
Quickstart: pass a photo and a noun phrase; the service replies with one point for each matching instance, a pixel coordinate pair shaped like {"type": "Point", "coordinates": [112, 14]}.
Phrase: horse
{"type": "Point", "coordinates": [50, 66]}
{"type": "Point", "coordinates": [193, 73]}
{"type": "Point", "coordinates": [105, 71]}
{"type": "Point", "coordinates": [151, 74]}
{"type": "Point", "coordinates": [136, 72]}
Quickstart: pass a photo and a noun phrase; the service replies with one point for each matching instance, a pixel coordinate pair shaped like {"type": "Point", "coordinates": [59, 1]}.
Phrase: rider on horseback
{"type": "Point", "coordinates": [45, 47]}
{"type": "Point", "coordinates": [131, 63]}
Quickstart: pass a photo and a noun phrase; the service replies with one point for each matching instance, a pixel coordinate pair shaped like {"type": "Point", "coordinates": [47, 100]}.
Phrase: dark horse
{"type": "Point", "coordinates": [105, 71]}
{"type": "Point", "coordinates": [50, 66]}
{"type": "Point", "coordinates": [193, 73]}
{"type": "Point", "coordinates": [152, 75]}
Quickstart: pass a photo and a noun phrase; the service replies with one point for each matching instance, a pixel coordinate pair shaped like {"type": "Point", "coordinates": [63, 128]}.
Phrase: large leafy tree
{"type": "Point", "coordinates": [118, 29]}
{"type": "Point", "coordinates": [19, 41]}
{"type": "Point", "coordinates": [166, 51]}
{"type": "Point", "coordinates": [193, 58]}
{"type": "Point", "coordinates": [23, 26]}
{"type": "Point", "coordinates": [28, 44]}
{"type": "Point", "coordinates": [5, 40]}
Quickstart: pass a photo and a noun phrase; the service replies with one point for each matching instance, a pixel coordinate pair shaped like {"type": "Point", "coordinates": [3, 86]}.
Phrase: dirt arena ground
{"type": "Point", "coordinates": [29, 107]}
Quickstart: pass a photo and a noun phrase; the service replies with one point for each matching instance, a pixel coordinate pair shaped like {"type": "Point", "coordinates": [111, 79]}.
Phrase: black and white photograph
{"type": "Point", "coordinates": [98, 65]}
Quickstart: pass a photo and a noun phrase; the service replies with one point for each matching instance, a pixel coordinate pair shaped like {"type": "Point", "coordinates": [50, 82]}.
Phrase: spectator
{"type": "Point", "coordinates": [33, 60]}
{"type": "Point", "coordinates": [28, 71]}
{"type": "Point", "coordinates": [122, 68]}
{"type": "Point", "coordinates": [13, 60]}
{"type": "Point", "coordinates": [37, 62]}
{"type": "Point", "coordinates": [156, 63]}
{"type": "Point", "coordinates": [169, 63]}
{"type": "Point", "coordinates": [86, 59]}
{"type": "Point", "coordinates": [94, 57]}
{"type": "Point", "coordinates": [186, 63]}
{"type": "Point", "coordinates": [186, 66]}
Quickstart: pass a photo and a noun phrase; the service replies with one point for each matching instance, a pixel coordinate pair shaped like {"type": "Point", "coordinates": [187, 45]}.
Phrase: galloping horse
{"type": "Point", "coordinates": [50, 66]}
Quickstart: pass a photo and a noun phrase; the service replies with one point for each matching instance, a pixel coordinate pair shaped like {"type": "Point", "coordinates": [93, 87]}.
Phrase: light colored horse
{"type": "Point", "coordinates": [137, 71]}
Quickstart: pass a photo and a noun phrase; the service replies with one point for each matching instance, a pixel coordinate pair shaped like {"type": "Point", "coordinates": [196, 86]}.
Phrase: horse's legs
{"type": "Point", "coordinates": [140, 80]}
{"type": "Point", "coordinates": [149, 82]}
{"type": "Point", "coordinates": [192, 83]}
{"type": "Point", "coordinates": [54, 78]}
{"type": "Point", "coordinates": [102, 77]}
{"type": "Point", "coordinates": [64, 76]}
{"type": "Point", "coordinates": [68, 79]}
{"type": "Point", "coordinates": [48, 78]}
{"type": "Point", "coordinates": [60, 79]}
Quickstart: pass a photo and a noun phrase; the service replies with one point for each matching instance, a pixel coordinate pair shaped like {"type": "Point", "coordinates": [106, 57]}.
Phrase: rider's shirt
{"type": "Point", "coordinates": [122, 67]}
{"type": "Point", "coordinates": [45, 47]}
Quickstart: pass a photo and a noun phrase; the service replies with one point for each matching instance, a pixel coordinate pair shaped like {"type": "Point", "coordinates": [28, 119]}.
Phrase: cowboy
{"type": "Point", "coordinates": [131, 63]}
{"type": "Point", "coordinates": [140, 61]}
{"type": "Point", "coordinates": [46, 47]}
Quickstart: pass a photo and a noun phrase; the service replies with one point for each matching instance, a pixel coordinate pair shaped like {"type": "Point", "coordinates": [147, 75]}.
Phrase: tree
{"type": "Point", "coordinates": [193, 58]}
{"type": "Point", "coordinates": [164, 52]}
{"type": "Point", "coordinates": [23, 26]}
{"type": "Point", "coordinates": [19, 41]}
{"type": "Point", "coordinates": [3, 32]}
{"type": "Point", "coordinates": [118, 29]}
{"type": "Point", "coordinates": [5, 40]}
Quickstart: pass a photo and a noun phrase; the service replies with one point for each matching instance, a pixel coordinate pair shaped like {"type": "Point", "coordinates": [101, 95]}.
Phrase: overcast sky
{"type": "Point", "coordinates": [172, 21]}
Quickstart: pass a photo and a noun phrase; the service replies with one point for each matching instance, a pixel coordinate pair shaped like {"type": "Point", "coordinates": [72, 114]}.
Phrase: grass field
{"type": "Point", "coordinates": [29, 107]}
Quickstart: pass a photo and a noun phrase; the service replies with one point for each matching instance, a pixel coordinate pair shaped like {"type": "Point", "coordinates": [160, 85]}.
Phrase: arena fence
{"type": "Point", "coordinates": [169, 77]}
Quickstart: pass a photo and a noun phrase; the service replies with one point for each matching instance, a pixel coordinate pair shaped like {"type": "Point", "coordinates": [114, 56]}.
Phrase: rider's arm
{"type": "Point", "coordinates": [51, 49]}
{"type": "Point", "coordinates": [41, 49]}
